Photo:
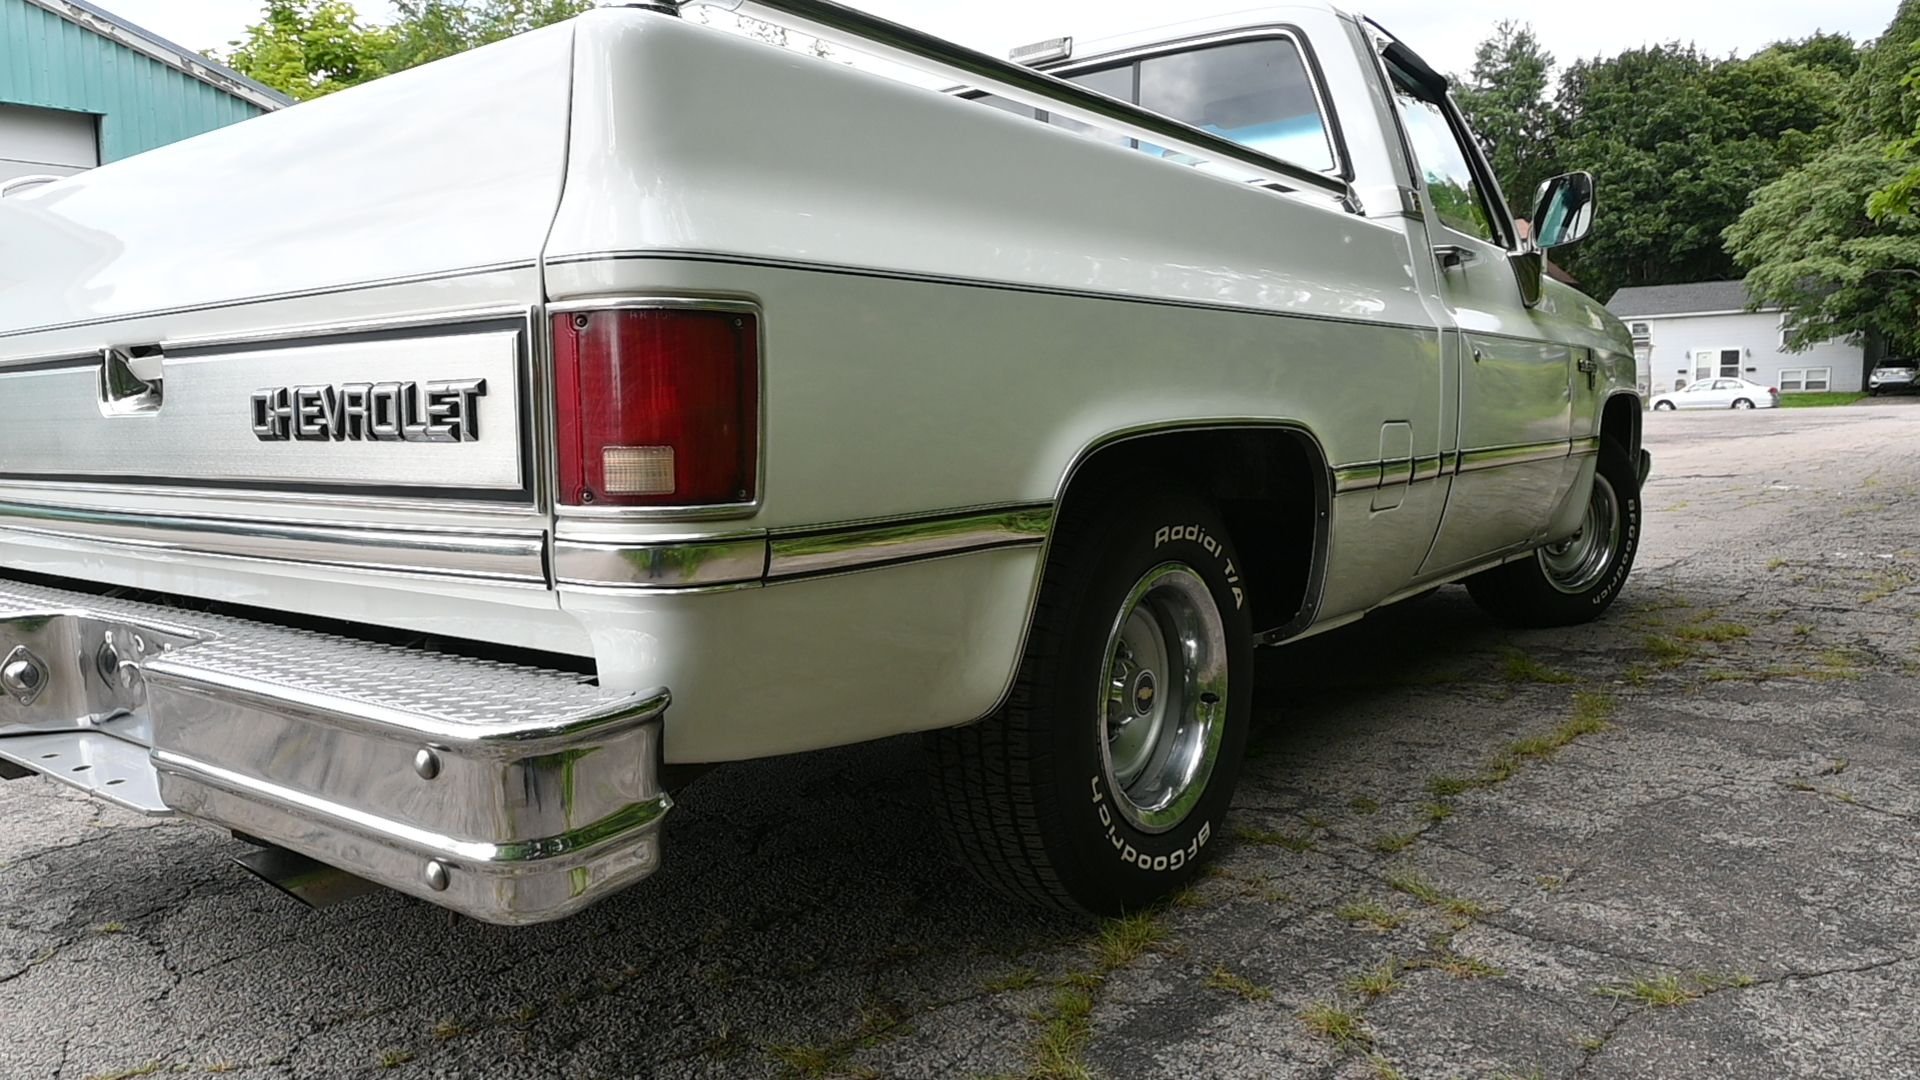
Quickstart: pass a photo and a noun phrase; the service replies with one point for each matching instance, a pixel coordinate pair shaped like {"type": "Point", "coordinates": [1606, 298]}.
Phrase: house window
{"type": "Point", "coordinates": [1640, 331]}
{"type": "Point", "coordinates": [1796, 379]}
{"type": "Point", "coordinates": [1724, 363]}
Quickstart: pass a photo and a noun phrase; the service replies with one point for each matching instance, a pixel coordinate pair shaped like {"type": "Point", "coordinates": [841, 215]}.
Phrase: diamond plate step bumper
{"type": "Point", "coordinates": [509, 793]}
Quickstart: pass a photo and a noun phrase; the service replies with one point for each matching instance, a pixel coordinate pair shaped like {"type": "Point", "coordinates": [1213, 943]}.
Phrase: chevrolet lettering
{"type": "Point", "coordinates": [1018, 430]}
{"type": "Point", "coordinates": [382, 412]}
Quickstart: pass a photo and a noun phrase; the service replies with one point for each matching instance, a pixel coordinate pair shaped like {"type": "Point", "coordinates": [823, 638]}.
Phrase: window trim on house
{"type": "Point", "coordinates": [1800, 377]}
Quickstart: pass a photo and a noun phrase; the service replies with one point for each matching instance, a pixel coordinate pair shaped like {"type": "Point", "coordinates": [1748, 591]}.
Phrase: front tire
{"type": "Point", "coordinates": [1573, 581]}
{"type": "Point", "coordinates": [1103, 782]}
{"type": "Point", "coordinates": [1664, 406]}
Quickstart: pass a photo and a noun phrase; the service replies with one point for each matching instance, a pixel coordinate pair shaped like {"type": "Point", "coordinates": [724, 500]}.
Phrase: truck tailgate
{"type": "Point", "coordinates": [289, 363]}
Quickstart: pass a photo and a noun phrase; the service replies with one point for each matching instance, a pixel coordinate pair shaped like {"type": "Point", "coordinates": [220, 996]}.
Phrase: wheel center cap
{"type": "Point", "coordinates": [1144, 691]}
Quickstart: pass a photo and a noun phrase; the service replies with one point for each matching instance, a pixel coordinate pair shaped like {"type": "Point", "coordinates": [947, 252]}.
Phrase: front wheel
{"type": "Point", "coordinates": [1573, 581]}
{"type": "Point", "coordinates": [1742, 403]}
{"type": "Point", "coordinates": [1102, 783]}
{"type": "Point", "coordinates": [1663, 406]}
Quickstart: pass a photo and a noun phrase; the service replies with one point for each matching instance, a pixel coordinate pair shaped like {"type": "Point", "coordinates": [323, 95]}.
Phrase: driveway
{"type": "Point", "coordinates": [1679, 842]}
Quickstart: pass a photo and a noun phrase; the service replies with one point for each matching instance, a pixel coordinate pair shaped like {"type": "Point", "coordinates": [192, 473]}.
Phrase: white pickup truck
{"type": "Point", "coordinates": [422, 479]}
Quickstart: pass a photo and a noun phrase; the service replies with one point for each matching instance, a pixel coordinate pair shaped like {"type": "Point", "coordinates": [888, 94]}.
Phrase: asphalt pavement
{"type": "Point", "coordinates": [1679, 842]}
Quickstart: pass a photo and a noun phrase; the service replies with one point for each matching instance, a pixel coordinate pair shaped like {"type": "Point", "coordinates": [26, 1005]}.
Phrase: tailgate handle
{"type": "Point", "coordinates": [124, 393]}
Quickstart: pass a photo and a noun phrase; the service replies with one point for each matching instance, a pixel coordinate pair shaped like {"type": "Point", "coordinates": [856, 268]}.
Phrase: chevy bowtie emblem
{"type": "Point", "coordinates": [445, 411]}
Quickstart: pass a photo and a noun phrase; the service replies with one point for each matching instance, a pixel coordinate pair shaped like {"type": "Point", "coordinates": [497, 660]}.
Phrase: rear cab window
{"type": "Point", "coordinates": [1259, 92]}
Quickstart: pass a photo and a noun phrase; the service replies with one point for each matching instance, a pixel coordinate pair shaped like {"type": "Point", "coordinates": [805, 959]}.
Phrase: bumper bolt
{"type": "Point", "coordinates": [426, 763]}
{"type": "Point", "coordinates": [437, 876]}
{"type": "Point", "coordinates": [22, 675]}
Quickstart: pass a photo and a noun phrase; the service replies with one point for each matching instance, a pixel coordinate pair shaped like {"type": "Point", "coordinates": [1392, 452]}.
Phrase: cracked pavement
{"type": "Point", "coordinates": [1679, 842]}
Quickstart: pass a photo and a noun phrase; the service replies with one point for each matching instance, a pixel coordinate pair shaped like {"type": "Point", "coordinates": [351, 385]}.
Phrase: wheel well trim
{"type": "Point", "coordinates": [1639, 406]}
{"type": "Point", "coordinates": [1323, 482]}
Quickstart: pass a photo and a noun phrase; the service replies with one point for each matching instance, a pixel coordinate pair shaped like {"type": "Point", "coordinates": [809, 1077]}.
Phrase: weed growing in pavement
{"type": "Point", "coordinates": [1667, 991]}
{"type": "Point", "coordinates": [1064, 1029]}
{"type": "Point", "coordinates": [1222, 979]}
{"type": "Point", "coordinates": [1018, 979]}
{"type": "Point", "coordinates": [1719, 632]}
{"type": "Point", "coordinates": [1376, 983]}
{"type": "Point", "coordinates": [1668, 652]}
{"type": "Point", "coordinates": [1427, 893]}
{"type": "Point", "coordinates": [1371, 912]}
{"type": "Point", "coordinates": [1446, 787]}
{"type": "Point", "coordinates": [1331, 1021]}
{"type": "Point", "coordinates": [1392, 842]}
{"type": "Point", "coordinates": [1126, 939]}
{"type": "Point", "coordinates": [1520, 667]}
{"type": "Point", "coordinates": [1384, 1070]}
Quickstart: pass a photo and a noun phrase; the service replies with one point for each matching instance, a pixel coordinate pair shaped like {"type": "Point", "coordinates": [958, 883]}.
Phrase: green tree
{"type": "Point", "coordinates": [1505, 100]}
{"type": "Point", "coordinates": [429, 30]}
{"type": "Point", "coordinates": [308, 48]}
{"type": "Point", "coordinates": [1836, 242]}
{"type": "Point", "coordinates": [1678, 142]}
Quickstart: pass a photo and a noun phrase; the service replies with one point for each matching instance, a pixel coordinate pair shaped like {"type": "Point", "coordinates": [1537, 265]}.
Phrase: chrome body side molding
{"type": "Point", "coordinates": [503, 557]}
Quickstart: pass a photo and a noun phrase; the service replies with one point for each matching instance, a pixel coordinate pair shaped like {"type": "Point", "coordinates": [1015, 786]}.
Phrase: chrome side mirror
{"type": "Point", "coordinates": [1563, 210]}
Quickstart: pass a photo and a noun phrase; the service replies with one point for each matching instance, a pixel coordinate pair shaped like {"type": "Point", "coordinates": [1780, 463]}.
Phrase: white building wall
{"type": "Point", "coordinates": [1673, 339]}
{"type": "Point", "coordinates": [46, 141]}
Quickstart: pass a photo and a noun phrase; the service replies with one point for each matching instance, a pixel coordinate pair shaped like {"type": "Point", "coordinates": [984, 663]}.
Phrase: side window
{"type": "Point", "coordinates": [1451, 187]}
{"type": "Point", "coordinates": [1257, 93]}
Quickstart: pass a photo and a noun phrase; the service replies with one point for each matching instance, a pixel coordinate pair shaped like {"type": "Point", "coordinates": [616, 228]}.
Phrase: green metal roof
{"type": "Point", "coordinates": [146, 91]}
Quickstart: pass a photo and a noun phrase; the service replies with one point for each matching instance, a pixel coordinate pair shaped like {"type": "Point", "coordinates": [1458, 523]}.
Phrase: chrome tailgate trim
{"type": "Point", "coordinates": [491, 555]}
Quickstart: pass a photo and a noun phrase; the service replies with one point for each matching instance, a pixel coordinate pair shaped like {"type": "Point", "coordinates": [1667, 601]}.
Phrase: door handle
{"type": "Point", "coordinates": [1455, 255]}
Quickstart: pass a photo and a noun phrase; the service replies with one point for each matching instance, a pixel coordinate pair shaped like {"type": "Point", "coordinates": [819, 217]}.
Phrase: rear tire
{"type": "Point", "coordinates": [1742, 403]}
{"type": "Point", "coordinates": [1575, 580]}
{"type": "Point", "coordinates": [1102, 783]}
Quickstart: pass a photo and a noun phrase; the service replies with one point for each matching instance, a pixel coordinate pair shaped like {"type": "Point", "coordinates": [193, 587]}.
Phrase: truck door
{"type": "Point", "coordinates": [1514, 390]}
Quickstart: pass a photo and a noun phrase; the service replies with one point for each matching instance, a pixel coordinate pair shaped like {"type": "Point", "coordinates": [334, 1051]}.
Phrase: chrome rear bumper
{"type": "Point", "coordinates": [509, 793]}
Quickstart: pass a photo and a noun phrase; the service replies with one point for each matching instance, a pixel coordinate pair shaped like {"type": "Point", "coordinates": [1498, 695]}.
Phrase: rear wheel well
{"type": "Point", "coordinates": [1620, 423]}
{"type": "Point", "coordinates": [1269, 484]}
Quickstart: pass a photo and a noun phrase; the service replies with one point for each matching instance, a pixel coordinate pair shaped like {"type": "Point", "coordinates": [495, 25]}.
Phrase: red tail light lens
{"type": "Point", "coordinates": [656, 407]}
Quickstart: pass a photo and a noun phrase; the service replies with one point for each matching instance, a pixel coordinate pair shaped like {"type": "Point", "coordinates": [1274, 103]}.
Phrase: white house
{"type": "Point", "coordinates": [1704, 330]}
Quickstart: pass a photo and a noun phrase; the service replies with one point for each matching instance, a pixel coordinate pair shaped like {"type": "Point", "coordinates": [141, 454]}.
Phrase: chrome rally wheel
{"type": "Point", "coordinates": [1573, 565]}
{"type": "Point", "coordinates": [1164, 702]}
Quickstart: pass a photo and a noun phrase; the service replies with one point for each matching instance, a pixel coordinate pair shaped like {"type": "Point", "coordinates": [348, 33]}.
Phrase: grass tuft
{"type": "Point", "coordinates": [1392, 842]}
{"type": "Point", "coordinates": [1659, 991]}
{"type": "Point", "coordinates": [1333, 1022]}
{"type": "Point", "coordinates": [1370, 912]}
{"type": "Point", "coordinates": [1376, 983]}
{"type": "Point", "coordinates": [1126, 939]}
{"type": "Point", "coordinates": [393, 1059]}
{"type": "Point", "coordinates": [1361, 804]}
{"type": "Point", "coordinates": [1063, 1036]}
{"type": "Point", "coordinates": [1668, 652]}
{"type": "Point", "coordinates": [1017, 979]}
{"type": "Point", "coordinates": [1519, 667]}
{"type": "Point", "coordinates": [1718, 632]}
{"type": "Point", "coordinates": [1222, 979]}
{"type": "Point", "coordinates": [1446, 787]}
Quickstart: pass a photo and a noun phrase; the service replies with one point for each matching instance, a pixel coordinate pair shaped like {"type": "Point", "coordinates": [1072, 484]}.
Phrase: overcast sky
{"type": "Point", "coordinates": [1444, 33]}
